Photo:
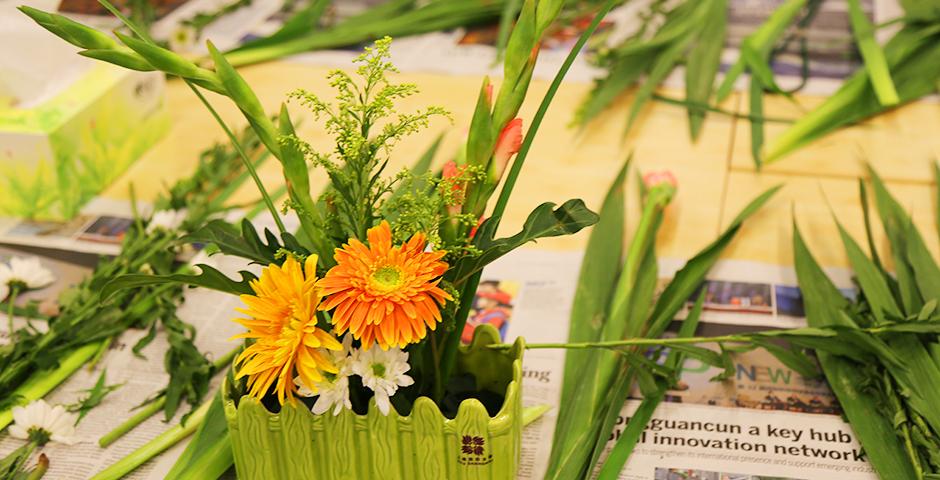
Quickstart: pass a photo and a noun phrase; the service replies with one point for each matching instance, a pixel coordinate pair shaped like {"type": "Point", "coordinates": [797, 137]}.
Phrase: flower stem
{"type": "Point", "coordinates": [155, 406]}
{"type": "Point", "coordinates": [630, 342]}
{"type": "Point", "coordinates": [155, 447]}
{"type": "Point", "coordinates": [10, 308]}
{"type": "Point", "coordinates": [42, 382]}
{"type": "Point", "coordinates": [248, 165]}
{"type": "Point", "coordinates": [513, 174]}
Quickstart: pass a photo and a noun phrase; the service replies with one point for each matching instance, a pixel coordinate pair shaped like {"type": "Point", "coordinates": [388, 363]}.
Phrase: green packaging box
{"type": "Point", "coordinates": [58, 154]}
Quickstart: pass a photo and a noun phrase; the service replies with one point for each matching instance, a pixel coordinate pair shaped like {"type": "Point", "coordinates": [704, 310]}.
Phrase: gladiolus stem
{"type": "Point", "coordinates": [156, 446]}
{"type": "Point", "coordinates": [155, 406]}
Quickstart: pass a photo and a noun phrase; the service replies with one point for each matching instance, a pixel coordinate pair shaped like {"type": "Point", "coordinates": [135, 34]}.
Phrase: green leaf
{"type": "Point", "coordinates": [756, 97]}
{"type": "Point", "coordinates": [93, 396]}
{"type": "Point", "coordinates": [690, 277]}
{"type": "Point", "coordinates": [596, 281]}
{"type": "Point", "coordinates": [703, 61]}
{"type": "Point", "coordinates": [244, 243]}
{"type": "Point", "coordinates": [870, 279]}
{"type": "Point", "coordinates": [874, 57]}
{"type": "Point", "coordinates": [877, 434]}
{"type": "Point", "coordinates": [209, 454]}
{"type": "Point", "coordinates": [910, 55]}
{"type": "Point", "coordinates": [662, 65]}
{"type": "Point", "coordinates": [624, 72]}
{"type": "Point", "coordinates": [303, 22]}
{"type": "Point", "coordinates": [209, 277]}
{"type": "Point", "coordinates": [761, 41]}
{"type": "Point", "coordinates": [545, 221]}
{"type": "Point", "coordinates": [246, 100]}
{"type": "Point", "coordinates": [630, 436]}
{"type": "Point", "coordinates": [895, 223]}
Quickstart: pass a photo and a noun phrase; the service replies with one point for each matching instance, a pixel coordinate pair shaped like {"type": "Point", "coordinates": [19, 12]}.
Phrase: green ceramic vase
{"type": "Point", "coordinates": [296, 444]}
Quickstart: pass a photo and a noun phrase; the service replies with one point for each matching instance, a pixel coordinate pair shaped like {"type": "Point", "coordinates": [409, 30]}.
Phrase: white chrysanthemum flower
{"type": "Point", "coordinates": [25, 272]}
{"type": "Point", "coordinates": [333, 391]}
{"type": "Point", "coordinates": [39, 422]}
{"type": "Point", "coordinates": [166, 220]}
{"type": "Point", "coordinates": [184, 39]}
{"type": "Point", "coordinates": [383, 371]}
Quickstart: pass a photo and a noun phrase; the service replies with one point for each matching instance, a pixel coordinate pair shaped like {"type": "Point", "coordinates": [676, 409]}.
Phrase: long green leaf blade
{"type": "Point", "coordinates": [874, 57]}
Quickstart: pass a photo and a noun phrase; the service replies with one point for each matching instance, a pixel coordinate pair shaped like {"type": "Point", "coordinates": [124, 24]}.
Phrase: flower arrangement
{"type": "Point", "coordinates": [366, 303]}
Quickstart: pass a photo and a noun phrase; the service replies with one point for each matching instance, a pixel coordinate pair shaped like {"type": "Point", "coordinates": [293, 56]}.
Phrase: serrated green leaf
{"type": "Point", "coordinates": [209, 277]}
{"type": "Point", "coordinates": [545, 221]}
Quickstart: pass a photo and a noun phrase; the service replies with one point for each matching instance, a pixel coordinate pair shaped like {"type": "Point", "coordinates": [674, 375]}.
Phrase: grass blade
{"type": "Point", "coordinates": [631, 434]}
{"type": "Point", "coordinates": [596, 281]}
{"type": "Point", "coordinates": [703, 61]}
{"type": "Point", "coordinates": [756, 96]}
{"type": "Point", "coordinates": [874, 56]}
{"type": "Point", "coordinates": [870, 278]}
{"type": "Point", "coordinates": [876, 433]}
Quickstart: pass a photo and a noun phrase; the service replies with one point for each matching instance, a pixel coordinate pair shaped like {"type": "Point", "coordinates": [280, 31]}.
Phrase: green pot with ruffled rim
{"type": "Point", "coordinates": [296, 444]}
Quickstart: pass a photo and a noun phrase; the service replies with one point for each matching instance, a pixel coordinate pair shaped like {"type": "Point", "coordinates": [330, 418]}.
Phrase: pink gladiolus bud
{"type": "Point", "coordinates": [653, 179]}
{"type": "Point", "coordinates": [473, 231]}
{"type": "Point", "coordinates": [509, 142]}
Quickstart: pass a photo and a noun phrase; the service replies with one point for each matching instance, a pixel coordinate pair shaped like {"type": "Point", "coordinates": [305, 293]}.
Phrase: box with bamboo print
{"type": "Point", "coordinates": [62, 149]}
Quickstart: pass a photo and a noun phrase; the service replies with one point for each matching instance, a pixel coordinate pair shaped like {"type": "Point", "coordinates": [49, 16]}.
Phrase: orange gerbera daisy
{"type": "Point", "coordinates": [382, 293]}
{"type": "Point", "coordinates": [283, 322]}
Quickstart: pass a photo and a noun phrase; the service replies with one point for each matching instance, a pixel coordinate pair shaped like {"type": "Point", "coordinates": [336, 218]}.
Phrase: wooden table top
{"type": "Point", "coordinates": [716, 176]}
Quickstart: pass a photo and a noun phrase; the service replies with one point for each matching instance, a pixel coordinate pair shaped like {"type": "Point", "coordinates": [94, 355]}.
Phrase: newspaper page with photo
{"type": "Point", "coordinates": [764, 422]}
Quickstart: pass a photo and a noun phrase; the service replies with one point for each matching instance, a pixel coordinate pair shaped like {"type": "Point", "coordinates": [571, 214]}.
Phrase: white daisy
{"type": "Point", "coordinates": [169, 220]}
{"type": "Point", "coordinates": [333, 391]}
{"type": "Point", "coordinates": [383, 371]}
{"type": "Point", "coordinates": [184, 38]}
{"type": "Point", "coordinates": [41, 423]}
{"type": "Point", "coordinates": [25, 272]}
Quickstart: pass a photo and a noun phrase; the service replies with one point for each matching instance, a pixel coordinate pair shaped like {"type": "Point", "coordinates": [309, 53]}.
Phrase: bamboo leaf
{"type": "Point", "coordinates": [756, 98]}
{"type": "Point", "coordinates": [823, 303]}
{"type": "Point", "coordinates": [910, 55]}
{"type": "Point", "coordinates": [703, 61]}
{"type": "Point", "coordinates": [209, 453]}
{"type": "Point", "coordinates": [623, 74]}
{"type": "Point", "coordinates": [688, 279]}
{"type": "Point", "coordinates": [762, 41]}
{"type": "Point", "coordinates": [596, 281]}
{"type": "Point", "coordinates": [895, 221]}
{"type": "Point", "coordinates": [662, 65]}
{"type": "Point", "coordinates": [870, 279]}
{"type": "Point", "coordinates": [874, 57]}
{"type": "Point", "coordinates": [630, 436]}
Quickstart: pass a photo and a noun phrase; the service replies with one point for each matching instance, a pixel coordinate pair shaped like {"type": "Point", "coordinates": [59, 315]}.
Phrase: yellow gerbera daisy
{"type": "Point", "coordinates": [382, 293]}
{"type": "Point", "coordinates": [283, 322]}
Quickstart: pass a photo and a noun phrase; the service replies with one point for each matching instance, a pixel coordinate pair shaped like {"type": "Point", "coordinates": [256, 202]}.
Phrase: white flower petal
{"type": "Point", "coordinates": [17, 431]}
{"type": "Point", "coordinates": [381, 401]}
{"type": "Point", "coordinates": [59, 423]}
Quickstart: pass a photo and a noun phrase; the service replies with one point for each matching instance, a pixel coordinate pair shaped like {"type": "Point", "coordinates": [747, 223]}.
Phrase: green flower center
{"type": "Point", "coordinates": [378, 369]}
{"type": "Point", "coordinates": [387, 278]}
{"type": "Point", "coordinates": [39, 436]}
